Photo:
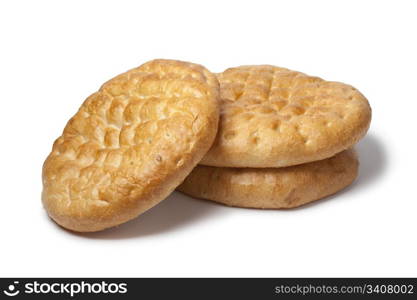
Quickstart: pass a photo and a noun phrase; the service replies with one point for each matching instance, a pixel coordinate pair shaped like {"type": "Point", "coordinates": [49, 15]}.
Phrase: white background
{"type": "Point", "coordinates": [55, 53]}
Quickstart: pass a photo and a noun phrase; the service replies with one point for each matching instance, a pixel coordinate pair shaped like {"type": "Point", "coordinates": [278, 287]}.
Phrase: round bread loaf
{"type": "Point", "coordinates": [275, 117]}
{"type": "Point", "coordinates": [130, 144]}
{"type": "Point", "coordinates": [273, 187]}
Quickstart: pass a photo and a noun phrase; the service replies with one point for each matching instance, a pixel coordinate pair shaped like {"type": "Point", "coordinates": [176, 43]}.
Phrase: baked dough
{"type": "Point", "coordinates": [275, 117]}
{"type": "Point", "coordinates": [130, 144]}
{"type": "Point", "coordinates": [273, 187]}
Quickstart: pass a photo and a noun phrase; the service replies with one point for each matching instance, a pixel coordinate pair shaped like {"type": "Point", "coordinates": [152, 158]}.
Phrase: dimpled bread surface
{"type": "Point", "coordinates": [130, 144]}
{"type": "Point", "coordinates": [273, 187]}
{"type": "Point", "coordinates": [275, 117]}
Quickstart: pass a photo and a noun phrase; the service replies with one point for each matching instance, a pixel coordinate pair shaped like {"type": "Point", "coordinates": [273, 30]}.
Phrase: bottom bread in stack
{"type": "Point", "coordinates": [285, 187]}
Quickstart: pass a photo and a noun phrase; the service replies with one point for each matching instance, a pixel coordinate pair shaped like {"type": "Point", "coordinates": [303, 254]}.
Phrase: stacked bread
{"type": "Point", "coordinates": [284, 139]}
{"type": "Point", "coordinates": [252, 136]}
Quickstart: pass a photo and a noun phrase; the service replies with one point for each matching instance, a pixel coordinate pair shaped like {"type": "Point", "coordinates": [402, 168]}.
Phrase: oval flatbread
{"type": "Point", "coordinates": [275, 117]}
{"type": "Point", "coordinates": [273, 187]}
{"type": "Point", "coordinates": [130, 144]}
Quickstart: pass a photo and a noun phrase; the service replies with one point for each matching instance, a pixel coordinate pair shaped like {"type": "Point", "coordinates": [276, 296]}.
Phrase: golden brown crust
{"type": "Point", "coordinates": [130, 144]}
{"type": "Point", "coordinates": [273, 187]}
{"type": "Point", "coordinates": [275, 117]}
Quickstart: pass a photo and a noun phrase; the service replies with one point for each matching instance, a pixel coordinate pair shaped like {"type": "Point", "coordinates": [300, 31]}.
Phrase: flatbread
{"type": "Point", "coordinates": [130, 144]}
{"type": "Point", "coordinates": [275, 117]}
{"type": "Point", "coordinates": [272, 187]}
